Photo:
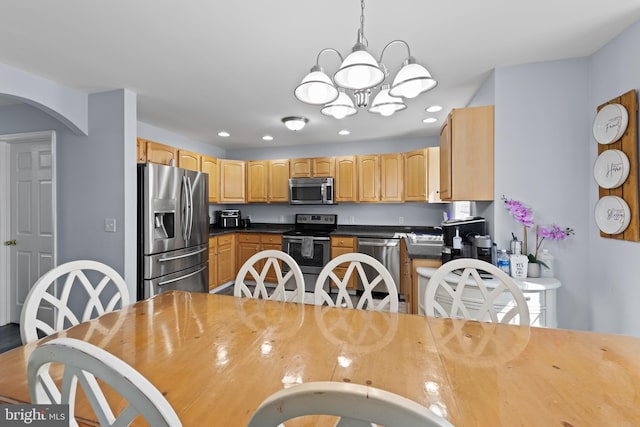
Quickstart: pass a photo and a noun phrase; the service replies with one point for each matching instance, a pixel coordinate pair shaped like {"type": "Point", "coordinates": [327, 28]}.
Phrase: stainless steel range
{"type": "Point", "coordinates": [310, 245]}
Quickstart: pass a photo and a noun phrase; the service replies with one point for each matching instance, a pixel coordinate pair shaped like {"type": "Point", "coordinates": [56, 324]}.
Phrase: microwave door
{"type": "Point", "coordinates": [306, 194]}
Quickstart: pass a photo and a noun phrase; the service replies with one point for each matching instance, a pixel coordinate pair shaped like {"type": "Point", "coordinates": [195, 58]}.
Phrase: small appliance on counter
{"type": "Point", "coordinates": [467, 229]}
{"type": "Point", "coordinates": [228, 218]}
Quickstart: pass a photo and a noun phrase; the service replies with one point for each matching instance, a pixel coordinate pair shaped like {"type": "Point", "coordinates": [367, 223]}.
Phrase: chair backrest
{"type": "Point", "coordinates": [264, 267]}
{"type": "Point", "coordinates": [110, 287]}
{"type": "Point", "coordinates": [356, 404]}
{"type": "Point", "coordinates": [458, 290]}
{"type": "Point", "coordinates": [83, 364]}
{"type": "Point", "coordinates": [339, 276]}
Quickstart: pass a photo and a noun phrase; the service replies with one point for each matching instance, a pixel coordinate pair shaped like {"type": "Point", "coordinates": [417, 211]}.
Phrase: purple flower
{"type": "Point", "coordinates": [554, 232]}
{"type": "Point", "coordinates": [520, 212]}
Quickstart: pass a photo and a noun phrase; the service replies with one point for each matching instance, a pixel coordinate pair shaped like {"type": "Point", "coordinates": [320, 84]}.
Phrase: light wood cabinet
{"type": "Point", "coordinates": [278, 181]}
{"type": "Point", "coordinates": [141, 150]}
{"type": "Point", "coordinates": [415, 175]}
{"type": "Point", "coordinates": [343, 245]}
{"type": "Point", "coordinates": [250, 244]}
{"type": "Point", "coordinates": [368, 168]}
{"type": "Point", "coordinates": [209, 166]}
{"type": "Point", "coordinates": [346, 180]}
{"type": "Point", "coordinates": [391, 178]}
{"type": "Point", "coordinates": [189, 160]}
{"type": "Point", "coordinates": [232, 181]}
{"type": "Point", "coordinates": [222, 266]}
{"type": "Point", "coordinates": [409, 277]}
{"type": "Point", "coordinates": [160, 153]}
{"type": "Point", "coordinates": [466, 154]}
{"type": "Point", "coordinates": [312, 167]}
{"type": "Point", "coordinates": [433, 175]}
{"type": "Point", "coordinates": [257, 181]}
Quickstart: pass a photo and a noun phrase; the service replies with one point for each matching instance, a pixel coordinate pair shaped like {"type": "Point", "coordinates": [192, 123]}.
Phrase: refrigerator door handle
{"type": "Point", "coordinates": [190, 190]}
{"type": "Point", "coordinates": [166, 282]}
{"type": "Point", "coordinates": [173, 258]}
{"type": "Point", "coordinates": [184, 207]}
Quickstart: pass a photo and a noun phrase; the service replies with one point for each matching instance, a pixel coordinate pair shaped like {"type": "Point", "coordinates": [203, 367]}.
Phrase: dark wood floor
{"type": "Point", "coordinates": [9, 337]}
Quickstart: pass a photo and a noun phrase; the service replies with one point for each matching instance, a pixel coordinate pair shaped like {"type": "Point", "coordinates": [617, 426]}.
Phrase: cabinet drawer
{"type": "Point", "coordinates": [338, 250]}
{"type": "Point", "coordinates": [535, 300]}
{"type": "Point", "coordinates": [344, 242]}
{"type": "Point", "coordinates": [275, 239]}
{"type": "Point", "coordinates": [226, 239]}
{"type": "Point", "coordinates": [248, 238]}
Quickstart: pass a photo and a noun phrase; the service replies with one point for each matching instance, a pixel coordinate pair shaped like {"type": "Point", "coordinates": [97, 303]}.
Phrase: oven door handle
{"type": "Point", "coordinates": [299, 239]}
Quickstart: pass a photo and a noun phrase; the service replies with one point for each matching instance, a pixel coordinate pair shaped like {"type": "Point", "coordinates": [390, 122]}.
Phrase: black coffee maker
{"type": "Point", "coordinates": [468, 229]}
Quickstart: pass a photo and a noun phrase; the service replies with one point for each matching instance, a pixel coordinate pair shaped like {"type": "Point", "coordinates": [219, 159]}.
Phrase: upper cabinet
{"type": "Point", "coordinates": [257, 181]}
{"type": "Point", "coordinates": [268, 181]}
{"type": "Point", "coordinates": [312, 167]}
{"type": "Point", "coordinates": [433, 168]}
{"type": "Point", "coordinates": [416, 178]}
{"type": "Point", "coordinates": [278, 181]}
{"type": "Point", "coordinates": [160, 153]}
{"type": "Point", "coordinates": [189, 160]}
{"type": "Point", "coordinates": [391, 177]}
{"type": "Point", "coordinates": [368, 167]}
{"type": "Point", "coordinates": [346, 179]}
{"type": "Point", "coordinates": [232, 181]}
{"type": "Point", "coordinates": [209, 165]}
{"type": "Point", "coordinates": [141, 150]}
{"type": "Point", "coordinates": [466, 154]}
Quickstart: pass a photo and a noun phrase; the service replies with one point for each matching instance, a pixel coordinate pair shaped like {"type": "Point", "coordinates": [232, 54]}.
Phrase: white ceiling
{"type": "Point", "coordinates": [199, 67]}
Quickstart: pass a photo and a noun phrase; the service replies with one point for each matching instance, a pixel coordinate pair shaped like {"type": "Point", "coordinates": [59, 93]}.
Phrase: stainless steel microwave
{"type": "Point", "coordinates": [311, 191]}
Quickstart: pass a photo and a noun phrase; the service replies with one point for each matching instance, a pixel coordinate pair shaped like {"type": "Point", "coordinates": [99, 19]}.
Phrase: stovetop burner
{"type": "Point", "coordinates": [315, 225]}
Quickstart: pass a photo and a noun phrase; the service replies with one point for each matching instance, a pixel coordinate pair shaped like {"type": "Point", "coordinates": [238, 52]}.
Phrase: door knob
{"type": "Point", "coordinates": [10, 243]}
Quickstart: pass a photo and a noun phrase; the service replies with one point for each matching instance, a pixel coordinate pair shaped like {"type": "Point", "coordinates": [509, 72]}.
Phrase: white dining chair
{"type": "Point", "coordinates": [357, 406]}
{"type": "Point", "coordinates": [255, 272]}
{"type": "Point", "coordinates": [84, 364]}
{"type": "Point", "coordinates": [46, 308]}
{"type": "Point", "coordinates": [353, 264]}
{"type": "Point", "coordinates": [458, 290]}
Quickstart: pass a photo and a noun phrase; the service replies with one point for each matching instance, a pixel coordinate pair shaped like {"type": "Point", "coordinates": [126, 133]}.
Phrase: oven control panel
{"type": "Point", "coordinates": [319, 219]}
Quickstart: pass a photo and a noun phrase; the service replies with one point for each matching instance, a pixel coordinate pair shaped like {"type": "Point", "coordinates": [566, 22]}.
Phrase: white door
{"type": "Point", "coordinates": [32, 200]}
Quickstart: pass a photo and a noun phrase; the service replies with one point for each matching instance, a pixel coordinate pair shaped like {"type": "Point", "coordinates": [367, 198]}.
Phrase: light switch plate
{"type": "Point", "coordinates": [110, 225]}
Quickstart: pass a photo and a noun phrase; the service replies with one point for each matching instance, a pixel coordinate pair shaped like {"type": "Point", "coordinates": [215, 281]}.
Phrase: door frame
{"type": "Point", "coordinates": [5, 206]}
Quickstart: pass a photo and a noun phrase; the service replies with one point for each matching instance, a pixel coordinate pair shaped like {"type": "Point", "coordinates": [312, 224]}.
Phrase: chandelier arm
{"type": "Point", "coordinates": [393, 42]}
{"type": "Point", "coordinates": [328, 49]}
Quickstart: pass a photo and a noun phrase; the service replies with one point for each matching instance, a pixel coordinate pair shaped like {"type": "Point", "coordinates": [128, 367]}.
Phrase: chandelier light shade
{"type": "Point", "coordinates": [412, 80]}
{"type": "Point", "coordinates": [360, 74]}
{"type": "Point", "coordinates": [295, 123]}
{"type": "Point", "coordinates": [385, 104]}
{"type": "Point", "coordinates": [316, 88]}
{"type": "Point", "coordinates": [341, 107]}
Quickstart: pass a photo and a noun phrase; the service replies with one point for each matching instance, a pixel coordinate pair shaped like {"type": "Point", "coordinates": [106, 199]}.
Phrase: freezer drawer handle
{"type": "Point", "coordinates": [166, 282]}
{"type": "Point", "coordinates": [182, 256]}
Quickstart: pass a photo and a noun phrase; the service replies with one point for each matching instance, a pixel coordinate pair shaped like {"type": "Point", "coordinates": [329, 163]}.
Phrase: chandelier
{"type": "Point", "coordinates": [358, 74]}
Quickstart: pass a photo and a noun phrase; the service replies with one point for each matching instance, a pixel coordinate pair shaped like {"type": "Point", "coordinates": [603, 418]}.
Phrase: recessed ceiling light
{"type": "Point", "coordinates": [430, 120]}
{"type": "Point", "coordinates": [344, 132]}
{"type": "Point", "coordinates": [433, 109]}
{"type": "Point", "coordinates": [224, 134]}
{"type": "Point", "coordinates": [267, 138]}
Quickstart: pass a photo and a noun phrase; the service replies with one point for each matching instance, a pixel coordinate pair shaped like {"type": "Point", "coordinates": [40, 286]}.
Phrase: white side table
{"type": "Point", "coordinates": [540, 294]}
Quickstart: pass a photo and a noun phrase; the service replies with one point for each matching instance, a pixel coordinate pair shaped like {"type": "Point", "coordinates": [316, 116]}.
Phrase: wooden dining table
{"type": "Point", "coordinates": [216, 358]}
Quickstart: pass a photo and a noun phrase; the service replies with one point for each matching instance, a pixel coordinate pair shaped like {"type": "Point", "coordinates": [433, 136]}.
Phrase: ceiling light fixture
{"type": "Point", "coordinates": [223, 134]}
{"type": "Point", "coordinates": [433, 109]}
{"type": "Point", "coordinates": [359, 73]}
{"type": "Point", "coordinates": [430, 120]}
{"type": "Point", "coordinates": [295, 123]}
{"type": "Point", "coordinates": [344, 132]}
{"type": "Point", "coordinates": [267, 138]}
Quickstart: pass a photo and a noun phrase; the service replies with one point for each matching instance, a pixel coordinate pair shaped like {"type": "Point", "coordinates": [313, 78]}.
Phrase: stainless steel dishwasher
{"type": "Point", "coordinates": [385, 250]}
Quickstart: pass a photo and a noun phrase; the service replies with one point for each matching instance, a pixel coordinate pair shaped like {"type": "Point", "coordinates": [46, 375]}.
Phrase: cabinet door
{"type": "Point", "coordinates": [434, 174]}
{"type": "Point", "coordinates": [342, 269]}
{"type": "Point", "coordinates": [225, 260]}
{"type": "Point", "coordinates": [257, 181]}
{"type": "Point", "coordinates": [323, 166]}
{"type": "Point", "coordinates": [445, 160]}
{"type": "Point", "coordinates": [210, 167]}
{"type": "Point", "coordinates": [368, 178]}
{"type": "Point", "coordinates": [391, 177]}
{"type": "Point", "coordinates": [415, 177]}
{"type": "Point", "coordinates": [278, 181]}
{"type": "Point", "coordinates": [160, 153]}
{"type": "Point", "coordinates": [346, 179]}
{"type": "Point", "coordinates": [232, 178]}
{"type": "Point", "coordinates": [274, 242]}
{"type": "Point", "coordinates": [189, 160]}
{"type": "Point", "coordinates": [300, 168]}
{"type": "Point", "coordinates": [415, 295]}
{"type": "Point", "coordinates": [213, 281]}
{"type": "Point", "coordinates": [141, 150]}
{"type": "Point", "coordinates": [248, 245]}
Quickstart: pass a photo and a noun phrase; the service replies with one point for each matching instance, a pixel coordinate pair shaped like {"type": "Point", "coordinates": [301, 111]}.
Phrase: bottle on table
{"type": "Point", "coordinates": [547, 258]}
{"type": "Point", "coordinates": [503, 261]}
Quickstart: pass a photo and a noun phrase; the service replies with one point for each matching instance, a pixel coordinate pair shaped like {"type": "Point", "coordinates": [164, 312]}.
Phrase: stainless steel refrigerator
{"type": "Point", "coordinates": [173, 230]}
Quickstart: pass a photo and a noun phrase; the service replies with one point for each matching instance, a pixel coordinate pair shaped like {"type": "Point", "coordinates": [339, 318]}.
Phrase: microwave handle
{"type": "Point", "coordinates": [328, 196]}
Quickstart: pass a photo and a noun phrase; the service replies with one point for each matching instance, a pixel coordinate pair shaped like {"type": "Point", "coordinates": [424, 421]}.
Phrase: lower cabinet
{"type": "Point", "coordinates": [343, 245]}
{"type": "Point", "coordinates": [409, 276]}
{"type": "Point", "coordinates": [250, 244]}
{"type": "Point", "coordinates": [222, 266]}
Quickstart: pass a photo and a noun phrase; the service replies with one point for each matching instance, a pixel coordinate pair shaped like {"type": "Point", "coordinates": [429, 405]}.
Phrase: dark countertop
{"type": "Point", "coordinates": [254, 228]}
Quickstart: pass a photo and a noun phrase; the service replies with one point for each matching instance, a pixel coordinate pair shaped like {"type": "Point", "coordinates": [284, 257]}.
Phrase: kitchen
{"type": "Point", "coordinates": [561, 94]}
